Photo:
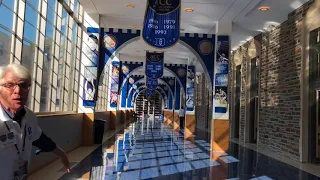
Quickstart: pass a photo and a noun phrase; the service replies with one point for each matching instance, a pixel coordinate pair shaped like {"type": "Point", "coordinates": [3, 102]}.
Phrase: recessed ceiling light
{"type": "Point", "coordinates": [132, 26]}
{"type": "Point", "coordinates": [264, 8]}
{"type": "Point", "coordinates": [130, 6]}
{"type": "Point", "coordinates": [189, 9]}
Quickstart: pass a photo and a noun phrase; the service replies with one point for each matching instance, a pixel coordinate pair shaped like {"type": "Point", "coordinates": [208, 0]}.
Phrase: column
{"type": "Point", "coordinates": [220, 123]}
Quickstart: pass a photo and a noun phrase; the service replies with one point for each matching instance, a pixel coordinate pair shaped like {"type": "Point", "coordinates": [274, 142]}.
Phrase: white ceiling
{"type": "Point", "coordinates": [247, 21]}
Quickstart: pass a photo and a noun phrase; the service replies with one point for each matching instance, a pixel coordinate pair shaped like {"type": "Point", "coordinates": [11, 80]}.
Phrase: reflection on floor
{"type": "Point", "coordinates": [151, 150]}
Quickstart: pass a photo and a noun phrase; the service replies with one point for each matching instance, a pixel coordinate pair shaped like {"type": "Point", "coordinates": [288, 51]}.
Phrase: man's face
{"type": "Point", "coordinates": [13, 92]}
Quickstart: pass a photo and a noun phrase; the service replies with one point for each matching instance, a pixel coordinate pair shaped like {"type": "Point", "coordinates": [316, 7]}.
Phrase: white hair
{"type": "Point", "coordinates": [18, 70]}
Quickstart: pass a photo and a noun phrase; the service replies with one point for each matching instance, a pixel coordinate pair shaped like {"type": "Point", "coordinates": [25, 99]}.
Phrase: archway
{"type": "Point", "coordinates": [201, 45]}
{"type": "Point", "coordinates": [136, 72]}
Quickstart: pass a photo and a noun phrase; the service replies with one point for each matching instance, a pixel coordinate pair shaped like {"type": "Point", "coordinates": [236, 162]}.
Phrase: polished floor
{"type": "Point", "coordinates": [149, 149]}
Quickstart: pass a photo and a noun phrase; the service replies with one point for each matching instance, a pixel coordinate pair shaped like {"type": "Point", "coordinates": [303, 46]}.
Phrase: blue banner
{"type": "Point", "coordinates": [90, 61]}
{"type": "Point", "coordinates": [154, 65]}
{"type": "Point", "coordinates": [150, 92]}
{"type": "Point", "coordinates": [162, 23]}
{"type": "Point", "coordinates": [151, 83]}
{"type": "Point", "coordinates": [190, 88]}
{"type": "Point", "coordinates": [221, 81]}
{"type": "Point", "coordinates": [114, 85]}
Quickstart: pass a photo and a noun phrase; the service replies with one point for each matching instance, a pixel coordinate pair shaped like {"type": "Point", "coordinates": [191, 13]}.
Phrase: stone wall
{"type": "Point", "coordinates": [280, 71]}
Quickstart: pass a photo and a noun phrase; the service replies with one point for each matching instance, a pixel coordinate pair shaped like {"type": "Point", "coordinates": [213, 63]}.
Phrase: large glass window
{"type": "Point", "coordinates": [5, 46]}
{"type": "Point", "coordinates": [6, 22]}
{"type": "Point", "coordinates": [31, 16]}
{"type": "Point", "coordinates": [34, 3]}
{"type": "Point", "coordinates": [30, 32]}
{"type": "Point", "coordinates": [9, 3]}
{"type": "Point", "coordinates": [52, 3]}
{"type": "Point", "coordinates": [51, 15]}
{"type": "Point", "coordinates": [28, 54]}
{"type": "Point", "coordinates": [46, 44]}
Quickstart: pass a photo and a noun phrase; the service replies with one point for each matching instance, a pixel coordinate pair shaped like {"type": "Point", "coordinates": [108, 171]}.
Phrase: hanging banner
{"type": "Point", "coordinates": [114, 85]}
{"type": "Point", "coordinates": [150, 92]}
{"type": "Point", "coordinates": [90, 61]}
{"type": "Point", "coordinates": [151, 83]}
{"type": "Point", "coordinates": [154, 65]}
{"type": "Point", "coordinates": [162, 23]}
{"type": "Point", "coordinates": [190, 88]}
{"type": "Point", "coordinates": [221, 81]}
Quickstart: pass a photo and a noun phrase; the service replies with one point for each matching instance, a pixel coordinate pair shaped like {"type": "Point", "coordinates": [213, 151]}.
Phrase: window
{"type": "Point", "coordinates": [30, 32]}
{"type": "Point", "coordinates": [6, 22]}
{"type": "Point", "coordinates": [46, 71]}
{"type": "Point", "coordinates": [34, 3]}
{"type": "Point", "coordinates": [51, 15]}
{"type": "Point", "coordinates": [31, 16]}
{"type": "Point", "coordinates": [9, 3]}
{"type": "Point", "coordinates": [5, 46]}
{"type": "Point", "coordinates": [47, 44]}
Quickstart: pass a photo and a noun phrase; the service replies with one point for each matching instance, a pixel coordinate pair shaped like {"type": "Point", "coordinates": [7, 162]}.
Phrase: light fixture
{"type": "Point", "coordinates": [189, 9]}
{"type": "Point", "coordinates": [132, 26]}
{"type": "Point", "coordinates": [264, 8]}
{"type": "Point", "coordinates": [130, 6]}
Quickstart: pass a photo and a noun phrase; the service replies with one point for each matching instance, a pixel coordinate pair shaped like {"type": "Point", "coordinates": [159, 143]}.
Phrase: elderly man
{"type": "Point", "coordinates": [18, 125]}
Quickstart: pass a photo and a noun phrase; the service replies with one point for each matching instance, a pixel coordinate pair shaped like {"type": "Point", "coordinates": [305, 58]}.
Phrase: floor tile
{"type": "Point", "coordinates": [149, 163]}
{"type": "Point", "coordinates": [166, 170]}
{"type": "Point", "coordinates": [183, 167]}
{"type": "Point", "coordinates": [149, 173]}
{"type": "Point", "coordinates": [132, 175]}
{"type": "Point", "coordinates": [164, 161]}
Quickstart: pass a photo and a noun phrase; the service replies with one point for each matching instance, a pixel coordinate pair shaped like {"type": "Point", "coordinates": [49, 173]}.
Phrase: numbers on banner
{"type": "Point", "coordinates": [169, 27]}
{"type": "Point", "coordinates": [161, 32]}
{"type": "Point", "coordinates": [170, 22]}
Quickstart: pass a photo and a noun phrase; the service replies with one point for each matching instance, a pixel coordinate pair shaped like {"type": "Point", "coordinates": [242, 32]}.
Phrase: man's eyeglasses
{"type": "Point", "coordinates": [12, 86]}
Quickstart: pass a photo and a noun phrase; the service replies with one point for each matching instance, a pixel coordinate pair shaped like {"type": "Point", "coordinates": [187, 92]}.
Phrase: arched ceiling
{"type": "Point", "coordinates": [247, 21]}
{"type": "Point", "coordinates": [141, 71]}
{"type": "Point", "coordinates": [136, 51]}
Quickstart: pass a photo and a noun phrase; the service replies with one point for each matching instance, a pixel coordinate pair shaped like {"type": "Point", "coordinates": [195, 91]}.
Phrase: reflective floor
{"type": "Point", "coordinates": [152, 150]}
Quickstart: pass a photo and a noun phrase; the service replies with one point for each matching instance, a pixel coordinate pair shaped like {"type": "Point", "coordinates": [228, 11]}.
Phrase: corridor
{"type": "Point", "coordinates": [160, 89]}
{"type": "Point", "coordinates": [149, 149]}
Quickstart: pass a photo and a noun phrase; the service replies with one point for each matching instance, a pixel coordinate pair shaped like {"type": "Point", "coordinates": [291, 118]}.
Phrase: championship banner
{"type": "Point", "coordinates": [154, 65]}
{"type": "Point", "coordinates": [190, 88]}
{"type": "Point", "coordinates": [151, 83]}
{"type": "Point", "coordinates": [162, 23]}
{"type": "Point", "coordinates": [90, 61]}
{"type": "Point", "coordinates": [115, 71]}
{"type": "Point", "coordinates": [221, 81]}
{"type": "Point", "coordinates": [150, 92]}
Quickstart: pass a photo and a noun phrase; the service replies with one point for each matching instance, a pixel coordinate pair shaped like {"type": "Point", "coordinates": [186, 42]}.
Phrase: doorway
{"type": "Point", "coordinates": [314, 97]}
{"type": "Point", "coordinates": [237, 102]}
{"type": "Point", "coordinates": [254, 103]}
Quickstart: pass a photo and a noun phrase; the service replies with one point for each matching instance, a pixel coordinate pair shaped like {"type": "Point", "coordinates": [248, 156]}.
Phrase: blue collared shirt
{"type": "Point", "coordinates": [16, 117]}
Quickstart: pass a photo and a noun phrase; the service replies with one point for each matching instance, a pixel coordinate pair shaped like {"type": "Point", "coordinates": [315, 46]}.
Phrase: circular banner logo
{"type": "Point", "coordinates": [164, 6]}
{"type": "Point", "coordinates": [181, 72]}
{"type": "Point", "coordinates": [205, 47]}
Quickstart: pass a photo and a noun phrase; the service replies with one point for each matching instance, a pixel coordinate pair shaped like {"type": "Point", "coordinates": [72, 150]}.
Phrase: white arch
{"type": "Point", "coordinates": [162, 81]}
{"type": "Point", "coordinates": [180, 41]}
{"type": "Point", "coordinates": [176, 76]}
